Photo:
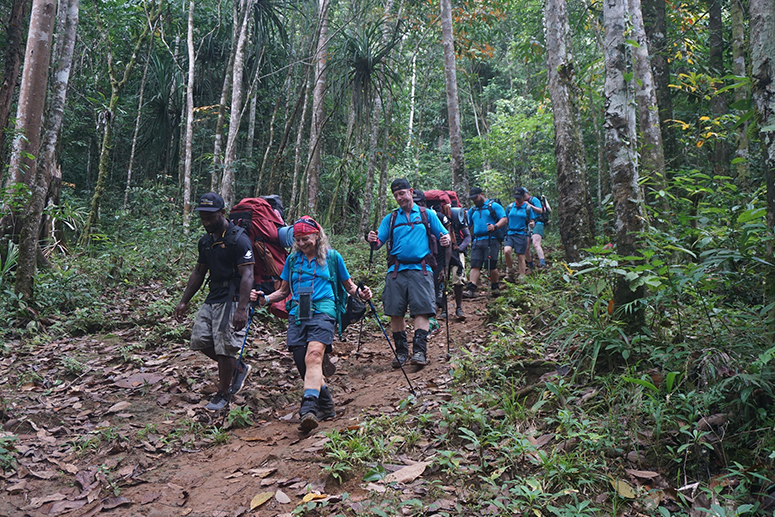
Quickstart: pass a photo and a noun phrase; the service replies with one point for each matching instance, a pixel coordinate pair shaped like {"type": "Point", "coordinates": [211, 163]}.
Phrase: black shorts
{"type": "Point", "coordinates": [480, 253]}
{"type": "Point", "coordinates": [318, 328]}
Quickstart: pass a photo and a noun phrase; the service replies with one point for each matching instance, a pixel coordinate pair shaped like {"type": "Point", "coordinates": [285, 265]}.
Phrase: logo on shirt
{"type": "Point", "coordinates": [248, 255]}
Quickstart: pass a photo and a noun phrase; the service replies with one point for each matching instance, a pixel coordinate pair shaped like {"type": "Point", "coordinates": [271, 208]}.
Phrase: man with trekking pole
{"type": "Point", "coordinates": [411, 233]}
{"type": "Point", "coordinates": [220, 328]}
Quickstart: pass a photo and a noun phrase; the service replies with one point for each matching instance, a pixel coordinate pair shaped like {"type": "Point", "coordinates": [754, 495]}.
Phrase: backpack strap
{"type": "Point", "coordinates": [392, 260]}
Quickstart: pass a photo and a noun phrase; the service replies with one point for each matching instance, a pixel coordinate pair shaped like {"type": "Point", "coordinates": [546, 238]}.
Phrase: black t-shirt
{"type": "Point", "coordinates": [223, 254]}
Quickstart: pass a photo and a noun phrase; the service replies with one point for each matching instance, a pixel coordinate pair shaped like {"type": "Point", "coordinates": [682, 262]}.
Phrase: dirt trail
{"type": "Point", "coordinates": [123, 435]}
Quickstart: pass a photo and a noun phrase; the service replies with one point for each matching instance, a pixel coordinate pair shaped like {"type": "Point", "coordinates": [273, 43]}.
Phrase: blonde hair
{"type": "Point", "coordinates": [321, 247]}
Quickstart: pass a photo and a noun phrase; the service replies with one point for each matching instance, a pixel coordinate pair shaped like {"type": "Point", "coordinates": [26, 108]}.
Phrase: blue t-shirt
{"type": "Point", "coordinates": [308, 274]}
{"type": "Point", "coordinates": [410, 241]}
{"type": "Point", "coordinates": [479, 218]}
{"type": "Point", "coordinates": [518, 218]}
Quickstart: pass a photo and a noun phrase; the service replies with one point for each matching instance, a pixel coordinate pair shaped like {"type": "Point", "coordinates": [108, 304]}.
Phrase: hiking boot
{"type": "Point", "coordinates": [443, 315]}
{"type": "Point", "coordinates": [420, 347]}
{"type": "Point", "coordinates": [329, 368]}
{"type": "Point", "coordinates": [459, 313]}
{"type": "Point", "coordinates": [402, 352]}
{"type": "Point", "coordinates": [326, 410]}
{"type": "Point", "coordinates": [510, 276]}
{"type": "Point", "coordinates": [218, 402]}
{"type": "Point", "coordinates": [469, 293]}
{"type": "Point", "coordinates": [308, 414]}
{"type": "Point", "coordinates": [243, 370]}
{"type": "Point", "coordinates": [495, 291]}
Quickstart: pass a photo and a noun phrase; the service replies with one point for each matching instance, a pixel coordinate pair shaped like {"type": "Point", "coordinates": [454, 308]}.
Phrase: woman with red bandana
{"type": "Point", "coordinates": [312, 316]}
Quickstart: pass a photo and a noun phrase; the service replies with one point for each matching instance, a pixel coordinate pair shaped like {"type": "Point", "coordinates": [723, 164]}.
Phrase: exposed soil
{"type": "Point", "coordinates": [123, 430]}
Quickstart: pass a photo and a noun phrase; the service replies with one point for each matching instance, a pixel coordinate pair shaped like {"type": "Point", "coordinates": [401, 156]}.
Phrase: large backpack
{"type": "Point", "coordinates": [454, 200]}
{"type": "Point", "coordinates": [430, 259]}
{"type": "Point", "coordinates": [261, 222]}
{"type": "Point", "coordinates": [348, 308]}
{"type": "Point", "coordinates": [544, 217]}
{"type": "Point", "coordinates": [276, 203]}
{"type": "Point", "coordinates": [499, 233]}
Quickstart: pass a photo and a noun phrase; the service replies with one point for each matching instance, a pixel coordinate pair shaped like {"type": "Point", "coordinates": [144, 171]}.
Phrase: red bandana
{"type": "Point", "coordinates": [305, 226]}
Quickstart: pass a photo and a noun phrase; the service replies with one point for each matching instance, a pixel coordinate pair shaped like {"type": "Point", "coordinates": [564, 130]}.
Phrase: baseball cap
{"type": "Point", "coordinates": [475, 191]}
{"type": "Point", "coordinates": [210, 202]}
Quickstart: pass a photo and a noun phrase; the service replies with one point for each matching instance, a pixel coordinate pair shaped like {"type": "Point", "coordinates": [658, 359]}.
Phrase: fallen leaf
{"type": "Point", "coordinates": [380, 489]}
{"type": "Point", "coordinates": [65, 506]}
{"type": "Point", "coordinates": [281, 497]}
{"type": "Point", "coordinates": [138, 379]}
{"type": "Point", "coordinates": [260, 499]}
{"type": "Point", "coordinates": [44, 474]}
{"type": "Point", "coordinates": [642, 474]}
{"type": "Point", "coordinates": [262, 473]}
{"type": "Point", "coordinates": [622, 488]}
{"type": "Point", "coordinates": [17, 487]}
{"type": "Point", "coordinates": [406, 474]}
{"type": "Point", "coordinates": [313, 497]}
{"type": "Point", "coordinates": [150, 497]}
{"type": "Point", "coordinates": [118, 407]}
{"type": "Point", "coordinates": [37, 502]}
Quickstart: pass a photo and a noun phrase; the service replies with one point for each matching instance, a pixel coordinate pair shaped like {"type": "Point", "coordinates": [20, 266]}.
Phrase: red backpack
{"type": "Point", "coordinates": [453, 198]}
{"type": "Point", "coordinates": [261, 223]}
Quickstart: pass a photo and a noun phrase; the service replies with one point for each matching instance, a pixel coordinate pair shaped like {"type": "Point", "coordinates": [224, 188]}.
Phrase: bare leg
{"type": "Point", "coordinates": [397, 324]}
{"type": "Point", "coordinates": [313, 380]}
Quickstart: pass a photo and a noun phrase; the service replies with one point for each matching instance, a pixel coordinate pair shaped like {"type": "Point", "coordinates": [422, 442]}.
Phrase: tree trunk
{"type": "Point", "coordinates": [230, 156]}
{"type": "Point", "coordinates": [569, 153]}
{"type": "Point", "coordinates": [219, 124]}
{"type": "Point", "coordinates": [316, 126]}
{"type": "Point", "coordinates": [28, 243]}
{"type": "Point", "coordinates": [116, 85]}
{"type": "Point", "coordinates": [137, 126]}
{"type": "Point", "coordinates": [32, 93]}
{"type": "Point", "coordinates": [189, 139]}
{"type": "Point", "coordinates": [252, 124]}
{"type": "Point", "coordinates": [655, 19]}
{"type": "Point", "coordinates": [13, 61]}
{"type": "Point", "coordinates": [459, 178]}
{"type": "Point", "coordinates": [620, 141]}
{"type": "Point", "coordinates": [368, 190]}
{"type": "Point", "coordinates": [412, 102]}
{"type": "Point", "coordinates": [742, 173]}
{"type": "Point", "coordinates": [718, 102]}
{"type": "Point", "coordinates": [293, 206]}
{"type": "Point", "coordinates": [651, 150]}
{"type": "Point", "coordinates": [762, 41]}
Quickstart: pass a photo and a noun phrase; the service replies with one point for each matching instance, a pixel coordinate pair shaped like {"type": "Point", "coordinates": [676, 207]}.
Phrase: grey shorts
{"type": "Point", "coordinates": [319, 328]}
{"type": "Point", "coordinates": [480, 253]}
{"type": "Point", "coordinates": [410, 288]}
{"type": "Point", "coordinates": [205, 333]}
{"type": "Point", "coordinates": [517, 242]}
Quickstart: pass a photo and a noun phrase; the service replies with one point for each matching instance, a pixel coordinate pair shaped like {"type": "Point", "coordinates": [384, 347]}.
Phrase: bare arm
{"type": "Point", "coordinates": [195, 282]}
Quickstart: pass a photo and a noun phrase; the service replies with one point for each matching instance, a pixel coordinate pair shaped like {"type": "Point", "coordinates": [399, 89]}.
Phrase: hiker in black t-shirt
{"type": "Point", "coordinates": [220, 325]}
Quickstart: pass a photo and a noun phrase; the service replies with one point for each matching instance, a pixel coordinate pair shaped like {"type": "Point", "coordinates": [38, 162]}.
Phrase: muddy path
{"type": "Point", "coordinates": [105, 425]}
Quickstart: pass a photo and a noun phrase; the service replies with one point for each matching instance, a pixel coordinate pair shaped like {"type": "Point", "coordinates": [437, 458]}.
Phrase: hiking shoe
{"type": "Point", "coordinates": [459, 313]}
{"type": "Point", "coordinates": [243, 370]}
{"type": "Point", "coordinates": [308, 414]}
{"type": "Point", "coordinates": [218, 402]}
{"type": "Point", "coordinates": [400, 360]}
{"type": "Point", "coordinates": [418, 359]}
{"type": "Point", "coordinates": [329, 368]}
{"type": "Point", "coordinates": [443, 315]}
{"type": "Point", "coordinates": [326, 410]}
{"type": "Point", "coordinates": [469, 293]}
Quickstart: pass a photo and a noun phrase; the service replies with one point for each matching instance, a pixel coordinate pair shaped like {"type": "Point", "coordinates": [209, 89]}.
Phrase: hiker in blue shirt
{"type": "Point", "coordinates": [538, 230]}
{"type": "Point", "coordinates": [312, 317]}
{"type": "Point", "coordinates": [487, 219]}
{"type": "Point", "coordinates": [520, 216]}
{"type": "Point", "coordinates": [411, 233]}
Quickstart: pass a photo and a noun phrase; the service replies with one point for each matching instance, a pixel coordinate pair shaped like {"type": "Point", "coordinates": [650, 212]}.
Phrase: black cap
{"type": "Point", "coordinates": [400, 184]}
{"type": "Point", "coordinates": [210, 202]}
{"type": "Point", "coordinates": [519, 192]}
{"type": "Point", "coordinates": [475, 191]}
{"type": "Point", "coordinates": [418, 196]}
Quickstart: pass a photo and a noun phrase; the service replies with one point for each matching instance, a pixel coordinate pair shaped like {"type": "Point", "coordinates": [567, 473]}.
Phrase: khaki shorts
{"type": "Point", "coordinates": [458, 273]}
{"type": "Point", "coordinates": [410, 289]}
{"type": "Point", "coordinates": [205, 333]}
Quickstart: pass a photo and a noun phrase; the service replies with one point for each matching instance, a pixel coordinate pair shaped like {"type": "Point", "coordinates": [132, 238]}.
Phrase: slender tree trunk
{"type": "Point", "coordinates": [718, 102]}
{"type": "Point", "coordinates": [412, 102]}
{"type": "Point", "coordinates": [137, 127]}
{"type": "Point", "coordinates": [655, 22]}
{"type": "Point", "coordinates": [741, 93]}
{"type": "Point", "coordinates": [116, 86]}
{"type": "Point", "coordinates": [651, 149]}
{"type": "Point", "coordinates": [32, 93]}
{"type": "Point", "coordinates": [230, 157]}
{"type": "Point", "coordinates": [316, 126]}
{"type": "Point", "coordinates": [219, 124]}
{"type": "Point", "coordinates": [368, 190]}
{"type": "Point", "coordinates": [620, 141]}
{"type": "Point", "coordinates": [13, 61]}
{"type": "Point", "coordinates": [252, 124]}
{"type": "Point", "coordinates": [293, 207]}
{"type": "Point", "coordinates": [28, 243]}
{"type": "Point", "coordinates": [568, 150]}
{"type": "Point", "coordinates": [762, 41]}
{"type": "Point", "coordinates": [301, 102]}
{"type": "Point", "coordinates": [189, 140]}
{"type": "Point", "coordinates": [459, 178]}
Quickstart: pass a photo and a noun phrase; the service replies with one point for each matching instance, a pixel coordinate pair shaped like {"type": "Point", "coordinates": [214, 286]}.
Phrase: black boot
{"type": "Point", "coordinates": [308, 414]}
{"type": "Point", "coordinates": [420, 348]}
{"type": "Point", "coordinates": [326, 409]}
{"type": "Point", "coordinates": [399, 338]}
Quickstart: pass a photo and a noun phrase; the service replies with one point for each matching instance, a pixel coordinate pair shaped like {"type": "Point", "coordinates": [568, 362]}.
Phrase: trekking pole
{"type": "Point", "coordinates": [446, 313]}
{"type": "Point", "coordinates": [239, 359]}
{"type": "Point", "coordinates": [360, 332]}
{"type": "Point", "coordinates": [390, 344]}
